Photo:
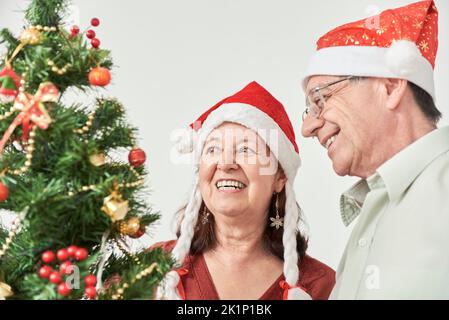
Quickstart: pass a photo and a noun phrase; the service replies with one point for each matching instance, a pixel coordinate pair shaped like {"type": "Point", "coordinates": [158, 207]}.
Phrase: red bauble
{"type": "Point", "coordinates": [75, 30]}
{"type": "Point", "coordinates": [45, 271]}
{"type": "Point", "coordinates": [48, 256]}
{"type": "Point", "coordinates": [64, 289]}
{"type": "Point", "coordinates": [72, 250]}
{"type": "Point", "coordinates": [138, 234]}
{"type": "Point", "coordinates": [90, 292]}
{"type": "Point", "coordinates": [95, 43]}
{"type": "Point", "coordinates": [90, 280]}
{"type": "Point", "coordinates": [81, 254]}
{"type": "Point", "coordinates": [4, 192]}
{"type": "Point", "coordinates": [137, 157]}
{"type": "Point", "coordinates": [66, 267]}
{"type": "Point", "coordinates": [99, 76]}
{"type": "Point", "coordinates": [55, 277]}
{"type": "Point", "coordinates": [62, 254]}
{"type": "Point", "coordinates": [90, 34]}
{"type": "Point", "coordinates": [95, 22]}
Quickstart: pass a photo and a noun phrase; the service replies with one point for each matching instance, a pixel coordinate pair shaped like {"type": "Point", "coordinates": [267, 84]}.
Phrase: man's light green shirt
{"type": "Point", "coordinates": [399, 248]}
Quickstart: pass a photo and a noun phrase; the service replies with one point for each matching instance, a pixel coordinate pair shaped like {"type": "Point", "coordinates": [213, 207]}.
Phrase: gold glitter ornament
{"type": "Point", "coordinates": [31, 36]}
{"type": "Point", "coordinates": [130, 227]}
{"type": "Point", "coordinates": [114, 205]}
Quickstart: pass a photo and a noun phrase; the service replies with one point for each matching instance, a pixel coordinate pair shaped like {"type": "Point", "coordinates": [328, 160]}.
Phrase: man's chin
{"type": "Point", "coordinates": [340, 169]}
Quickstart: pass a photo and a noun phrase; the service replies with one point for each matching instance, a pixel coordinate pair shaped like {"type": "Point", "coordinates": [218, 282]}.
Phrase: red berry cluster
{"type": "Point", "coordinates": [66, 257]}
{"type": "Point", "coordinates": [90, 34]}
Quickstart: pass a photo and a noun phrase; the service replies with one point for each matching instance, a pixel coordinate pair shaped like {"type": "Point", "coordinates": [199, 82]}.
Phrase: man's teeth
{"type": "Point", "coordinates": [330, 141]}
{"type": "Point", "coordinates": [230, 185]}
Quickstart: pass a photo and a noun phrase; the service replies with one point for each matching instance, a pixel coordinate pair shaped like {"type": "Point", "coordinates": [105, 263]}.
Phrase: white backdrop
{"type": "Point", "coordinates": [175, 59]}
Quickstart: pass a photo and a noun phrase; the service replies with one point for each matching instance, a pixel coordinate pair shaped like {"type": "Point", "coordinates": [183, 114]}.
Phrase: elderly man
{"type": "Point", "coordinates": [370, 103]}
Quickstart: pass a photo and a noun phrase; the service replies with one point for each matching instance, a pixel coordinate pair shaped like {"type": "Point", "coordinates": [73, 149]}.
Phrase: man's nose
{"type": "Point", "coordinates": [310, 126]}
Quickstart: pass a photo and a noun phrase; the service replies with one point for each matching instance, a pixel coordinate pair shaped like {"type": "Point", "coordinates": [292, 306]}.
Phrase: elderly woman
{"type": "Point", "coordinates": [238, 236]}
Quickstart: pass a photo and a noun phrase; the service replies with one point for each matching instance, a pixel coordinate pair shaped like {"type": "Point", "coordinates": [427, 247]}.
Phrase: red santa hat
{"type": "Point", "coordinates": [255, 108]}
{"type": "Point", "coordinates": [399, 43]}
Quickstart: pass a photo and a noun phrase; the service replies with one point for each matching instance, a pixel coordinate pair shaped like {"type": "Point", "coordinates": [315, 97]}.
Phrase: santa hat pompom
{"type": "Point", "coordinates": [184, 140]}
{"type": "Point", "coordinates": [402, 57]}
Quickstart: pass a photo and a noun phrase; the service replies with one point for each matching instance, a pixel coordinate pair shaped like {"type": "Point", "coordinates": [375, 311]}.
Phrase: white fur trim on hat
{"type": "Point", "coordinates": [258, 121]}
{"type": "Point", "coordinates": [372, 61]}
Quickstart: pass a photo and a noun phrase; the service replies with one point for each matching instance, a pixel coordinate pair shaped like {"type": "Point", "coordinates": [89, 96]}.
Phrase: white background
{"type": "Point", "coordinates": [175, 59]}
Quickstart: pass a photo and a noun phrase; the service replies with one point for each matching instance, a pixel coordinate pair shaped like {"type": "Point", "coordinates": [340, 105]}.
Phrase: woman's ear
{"type": "Point", "coordinates": [280, 180]}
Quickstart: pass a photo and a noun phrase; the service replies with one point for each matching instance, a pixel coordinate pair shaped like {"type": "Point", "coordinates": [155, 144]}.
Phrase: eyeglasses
{"type": "Point", "coordinates": [315, 99]}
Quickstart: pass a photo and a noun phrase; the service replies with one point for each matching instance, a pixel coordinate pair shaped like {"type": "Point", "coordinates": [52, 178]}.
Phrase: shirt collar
{"type": "Point", "coordinates": [397, 174]}
{"type": "Point", "coordinates": [352, 200]}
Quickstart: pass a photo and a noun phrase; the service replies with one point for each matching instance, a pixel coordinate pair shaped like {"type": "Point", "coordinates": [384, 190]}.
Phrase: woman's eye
{"type": "Point", "coordinates": [247, 150]}
{"type": "Point", "coordinates": [211, 150]}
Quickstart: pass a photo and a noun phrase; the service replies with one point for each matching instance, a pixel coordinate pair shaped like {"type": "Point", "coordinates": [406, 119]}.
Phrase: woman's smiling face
{"type": "Point", "coordinates": [233, 181]}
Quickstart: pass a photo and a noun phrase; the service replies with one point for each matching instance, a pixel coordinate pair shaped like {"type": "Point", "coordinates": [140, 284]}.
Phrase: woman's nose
{"type": "Point", "coordinates": [227, 161]}
{"type": "Point", "coordinates": [310, 126]}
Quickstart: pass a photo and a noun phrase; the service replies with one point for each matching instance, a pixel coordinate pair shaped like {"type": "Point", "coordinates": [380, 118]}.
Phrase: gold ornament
{"type": "Point", "coordinates": [5, 291]}
{"type": "Point", "coordinates": [114, 205]}
{"type": "Point", "coordinates": [98, 159]}
{"type": "Point", "coordinates": [130, 227]}
{"type": "Point", "coordinates": [31, 36]}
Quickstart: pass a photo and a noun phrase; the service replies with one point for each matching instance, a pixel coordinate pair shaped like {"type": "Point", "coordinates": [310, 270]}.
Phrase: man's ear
{"type": "Point", "coordinates": [395, 90]}
{"type": "Point", "coordinates": [280, 181]}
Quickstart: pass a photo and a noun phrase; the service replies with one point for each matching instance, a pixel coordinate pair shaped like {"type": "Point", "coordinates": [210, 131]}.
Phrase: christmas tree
{"type": "Point", "coordinates": [74, 202]}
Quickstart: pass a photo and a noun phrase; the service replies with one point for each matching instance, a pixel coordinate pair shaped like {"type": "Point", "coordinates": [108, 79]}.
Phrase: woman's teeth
{"type": "Point", "coordinates": [229, 185]}
{"type": "Point", "coordinates": [330, 141]}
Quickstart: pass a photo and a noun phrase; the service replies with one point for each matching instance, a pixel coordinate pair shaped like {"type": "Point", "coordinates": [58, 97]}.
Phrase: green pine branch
{"type": "Point", "coordinates": [46, 12]}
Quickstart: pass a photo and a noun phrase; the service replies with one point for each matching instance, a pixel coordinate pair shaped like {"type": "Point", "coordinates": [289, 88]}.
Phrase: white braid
{"type": "Point", "coordinates": [188, 224]}
{"type": "Point", "coordinates": [291, 270]}
{"type": "Point", "coordinates": [168, 287]}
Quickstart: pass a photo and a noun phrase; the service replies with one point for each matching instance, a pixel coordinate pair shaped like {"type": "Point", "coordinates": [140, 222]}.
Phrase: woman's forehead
{"type": "Point", "coordinates": [232, 130]}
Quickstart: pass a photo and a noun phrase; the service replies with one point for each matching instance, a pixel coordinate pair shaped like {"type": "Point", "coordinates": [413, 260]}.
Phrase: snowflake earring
{"type": "Point", "coordinates": [277, 222]}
